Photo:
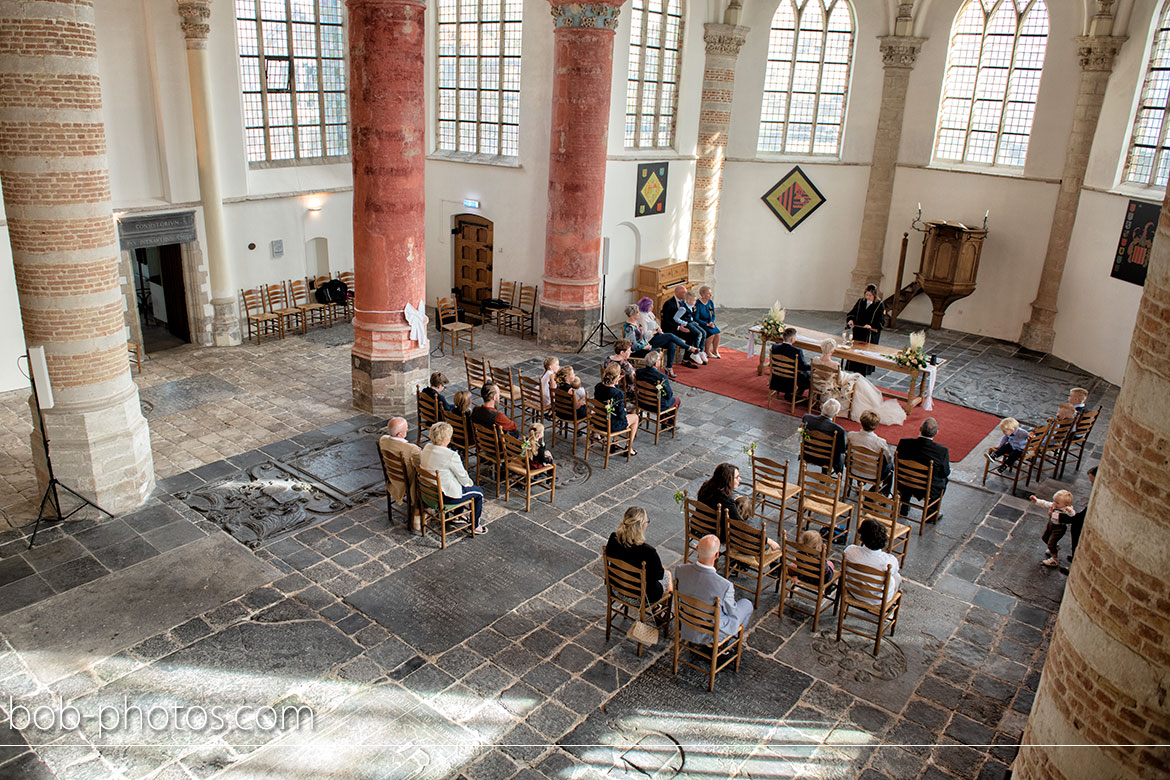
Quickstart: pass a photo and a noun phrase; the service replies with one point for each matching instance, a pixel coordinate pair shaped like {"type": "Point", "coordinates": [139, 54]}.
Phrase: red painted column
{"type": "Point", "coordinates": [583, 71]}
{"type": "Point", "coordinates": [388, 121]}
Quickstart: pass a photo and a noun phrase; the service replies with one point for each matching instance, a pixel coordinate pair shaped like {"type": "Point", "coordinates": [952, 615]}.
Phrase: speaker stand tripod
{"type": "Point", "coordinates": [600, 329]}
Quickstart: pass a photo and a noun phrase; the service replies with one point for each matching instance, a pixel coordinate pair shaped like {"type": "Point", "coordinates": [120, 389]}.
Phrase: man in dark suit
{"type": "Point", "coordinates": [823, 422]}
{"type": "Point", "coordinates": [669, 325]}
{"type": "Point", "coordinates": [925, 450]}
{"type": "Point", "coordinates": [786, 348]}
{"type": "Point", "coordinates": [1077, 524]}
{"type": "Point", "coordinates": [651, 374]}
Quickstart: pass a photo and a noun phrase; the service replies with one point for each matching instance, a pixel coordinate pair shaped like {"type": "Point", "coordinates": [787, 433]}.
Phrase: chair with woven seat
{"type": "Point", "coordinates": [771, 490]}
{"type": "Point", "coordinates": [700, 520]}
{"type": "Point", "coordinates": [825, 377]}
{"type": "Point", "coordinates": [652, 416]}
{"type": "Point", "coordinates": [451, 330]}
{"type": "Point", "coordinates": [450, 516]}
{"type": "Point", "coordinates": [522, 317]}
{"type": "Point", "coordinates": [532, 407]}
{"type": "Point", "coordinates": [872, 505]}
{"type": "Point", "coordinates": [1025, 465]}
{"type": "Point", "coordinates": [276, 298]}
{"type": "Point", "coordinates": [339, 310]}
{"type": "Point", "coordinates": [508, 297]}
{"type": "Point", "coordinates": [428, 411]}
{"type": "Point", "coordinates": [1079, 438]}
{"type": "Point", "coordinates": [863, 468]}
{"type": "Point", "coordinates": [509, 390]}
{"type": "Point", "coordinates": [477, 372]}
{"type": "Point", "coordinates": [625, 590]}
{"type": "Point", "coordinates": [820, 497]}
{"type": "Point", "coordinates": [784, 371]}
{"type": "Point", "coordinates": [912, 486]}
{"type": "Point", "coordinates": [565, 420]}
{"type": "Point", "coordinates": [600, 430]}
{"type": "Point", "coordinates": [489, 454]}
{"type": "Point", "coordinates": [819, 448]}
{"type": "Point", "coordinates": [462, 434]}
{"type": "Point", "coordinates": [394, 472]}
{"type": "Point", "coordinates": [747, 551]}
{"type": "Point", "coordinates": [863, 593]}
{"type": "Point", "coordinates": [703, 618]}
{"type": "Point", "coordinates": [804, 577]}
{"type": "Point", "coordinates": [348, 278]}
{"type": "Point", "coordinates": [311, 310]}
{"type": "Point", "coordinates": [260, 320]}
{"type": "Point", "coordinates": [524, 478]}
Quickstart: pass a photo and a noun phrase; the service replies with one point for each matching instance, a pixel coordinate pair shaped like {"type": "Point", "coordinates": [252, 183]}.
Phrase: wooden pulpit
{"type": "Point", "coordinates": [950, 262]}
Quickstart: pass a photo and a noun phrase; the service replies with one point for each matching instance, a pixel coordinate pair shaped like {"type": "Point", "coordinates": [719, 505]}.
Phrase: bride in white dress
{"type": "Point", "coordinates": [865, 395]}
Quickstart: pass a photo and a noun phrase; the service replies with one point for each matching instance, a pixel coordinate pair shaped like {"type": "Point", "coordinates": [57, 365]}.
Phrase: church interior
{"type": "Point", "coordinates": [203, 568]}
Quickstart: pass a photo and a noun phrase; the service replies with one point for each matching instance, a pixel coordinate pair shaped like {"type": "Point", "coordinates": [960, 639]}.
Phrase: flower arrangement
{"type": "Point", "coordinates": [679, 496]}
{"type": "Point", "coordinates": [772, 326]}
{"type": "Point", "coordinates": [913, 356]}
{"type": "Point", "coordinates": [661, 388]}
{"type": "Point", "coordinates": [610, 407]}
{"type": "Point", "coordinates": [750, 450]}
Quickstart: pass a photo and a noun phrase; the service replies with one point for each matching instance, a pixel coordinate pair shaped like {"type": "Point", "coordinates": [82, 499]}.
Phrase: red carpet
{"type": "Point", "coordinates": [959, 429]}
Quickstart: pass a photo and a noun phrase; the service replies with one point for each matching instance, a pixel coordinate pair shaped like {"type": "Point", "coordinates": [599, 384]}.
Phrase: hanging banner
{"type": "Point", "coordinates": [1137, 236]}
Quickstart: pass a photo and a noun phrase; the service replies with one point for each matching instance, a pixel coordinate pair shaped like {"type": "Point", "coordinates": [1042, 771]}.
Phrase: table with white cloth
{"type": "Point", "coordinates": [921, 379]}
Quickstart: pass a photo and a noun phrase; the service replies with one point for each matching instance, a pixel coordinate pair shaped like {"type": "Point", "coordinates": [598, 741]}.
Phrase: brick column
{"type": "Point", "coordinates": [582, 72]}
{"type": "Point", "coordinates": [1096, 56]}
{"type": "Point", "coordinates": [225, 316]}
{"type": "Point", "coordinates": [1105, 678]}
{"type": "Point", "coordinates": [65, 249]}
{"type": "Point", "coordinates": [899, 53]}
{"type": "Point", "coordinates": [723, 44]}
{"type": "Point", "coordinates": [387, 114]}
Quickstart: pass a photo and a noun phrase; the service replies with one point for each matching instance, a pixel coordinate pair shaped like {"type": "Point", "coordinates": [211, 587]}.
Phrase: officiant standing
{"type": "Point", "coordinates": [866, 318]}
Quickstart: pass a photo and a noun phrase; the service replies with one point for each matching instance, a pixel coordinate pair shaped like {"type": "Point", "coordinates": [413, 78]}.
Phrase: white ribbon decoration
{"type": "Point", "coordinates": [418, 322]}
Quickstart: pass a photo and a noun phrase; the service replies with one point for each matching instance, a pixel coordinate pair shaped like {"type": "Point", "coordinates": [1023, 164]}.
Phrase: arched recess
{"type": "Point", "coordinates": [625, 252]}
{"type": "Point", "coordinates": [317, 256]}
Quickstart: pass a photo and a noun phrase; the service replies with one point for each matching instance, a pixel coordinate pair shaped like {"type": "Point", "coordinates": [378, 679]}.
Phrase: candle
{"type": "Point", "coordinates": [919, 207]}
{"type": "Point", "coordinates": [987, 214]}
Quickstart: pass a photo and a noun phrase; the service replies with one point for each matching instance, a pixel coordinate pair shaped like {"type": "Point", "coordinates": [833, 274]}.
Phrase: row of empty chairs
{"type": "Point", "coordinates": [283, 307]}
{"type": "Point", "coordinates": [518, 315]}
{"type": "Point", "coordinates": [1050, 445]}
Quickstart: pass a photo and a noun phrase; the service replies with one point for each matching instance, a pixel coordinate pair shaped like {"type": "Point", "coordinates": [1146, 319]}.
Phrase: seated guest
{"type": "Point", "coordinates": [650, 374]}
{"type": "Point", "coordinates": [866, 439]}
{"type": "Point", "coordinates": [662, 340]}
{"type": "Point", "coordinates": [1066, 411]}
{"type": "Point", "coordinates": [670, 323]}
{"type": "Point", "coordinates": [687, 328]}
{"type": "Point", "coordinates": [487, 414]}
{"type": "Point", "coordinates": [823, 422]}
{"type": "Point", "coordinates": [1077, 397]}
{"type": "Point", "coordinates": [700, 581]}
{"type": "Point", "coordinates": [394, 443]}
{"type": "Point", "coordinates": [705, 316]}
{"type": "Point", "coordinates": [439, 382]}
{"type": "Point", "coordinates": [871, 552]}
{"type": "Point", "coordinates": [621, 359]}
{"type": "Point", "coordinates": [628, 544]}
{"type": "Point", "coordinates": [812, 542]}
{"type": "Point", "coordinates": [612, 396]}
{"type": "Point", "coordinates": [548, 379]}
{"type": "Point", "coordinates": [1011, 444]}
{"type": "Point", "coordinates": [788, 349]}
{"type": "Point", "coordinates": [456, 485]}
{"type": "Point", "coordinates": [925, 450]}
{"type": "Point", "coordinates": [719, 491]}
{"type": "Point", "coordinates": [538, 454]}
{"type": "Point", "coordinates": [633, 333]}
{"type": "Point", "coordinates": [462, 403]}
{"type": "Point", "coordinates": [567, 381]}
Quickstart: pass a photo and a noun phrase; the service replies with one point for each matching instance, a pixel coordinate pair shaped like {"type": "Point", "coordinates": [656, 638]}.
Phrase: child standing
{"type": "Point", "coordinates": [538, 454]}
{"type": "Point", "coordinates": [1011, 446]}
{"type": "Point", "coordinates": [1060, 513]}
{"type": "Point", "coordinates": [548, 379]}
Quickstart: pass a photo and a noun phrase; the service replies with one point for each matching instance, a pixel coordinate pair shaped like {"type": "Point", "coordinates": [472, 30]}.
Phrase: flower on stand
{"type": "Point", "coordinates": [679, 496]}
{"type": "Point", "coordinates": [750, 450]}
{"type": "Point", "coordinates": [772, 326]}
{"type": "Point", "coordinates": [913, 356]}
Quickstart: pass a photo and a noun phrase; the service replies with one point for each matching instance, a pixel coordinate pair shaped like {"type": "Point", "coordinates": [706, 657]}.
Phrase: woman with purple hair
{"type": "Point", "coordinates": [642, 328]}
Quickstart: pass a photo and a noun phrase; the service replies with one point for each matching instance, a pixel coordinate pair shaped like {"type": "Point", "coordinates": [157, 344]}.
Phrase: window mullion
{"type": "Point", "coordinates": [262, 66]}
{"type": "Point", "coordinates": [975, 85]}
{"type": "Point", "coordinates": [812, 140]}
{"type": "Point", "coordinates": [798, 13]}
{"type": "Point", "coordinates": [292, 79]}
{"type": "Point", "coordinates": [641, 75]}
{"type": "Point", "coordinates": [1007, 89]}
{"type": "Point", "coordinates": [320, 80]}
{"type": "Point", "coordinates": [500, 69]}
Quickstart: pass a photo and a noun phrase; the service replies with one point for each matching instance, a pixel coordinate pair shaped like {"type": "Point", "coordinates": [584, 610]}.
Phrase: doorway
{"type": "Point", "coordinates": [161, 293]}
{"type": "Point", "coordinates": [473, 262]}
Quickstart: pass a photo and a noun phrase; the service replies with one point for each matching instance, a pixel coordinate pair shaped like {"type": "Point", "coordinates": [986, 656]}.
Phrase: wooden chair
{"type": "Point", "coordinates": [875, 506]}
{"type": "Point", "coordinates": [863, 592]}
{"type": "Point", "coordinates": [351, 292]}
{"type": "Point", "coordinates": [394, 470]}
{"type": "Point", "coordinates": [565, 419]}
{"type": "Point", "coordinates": [260, 321]}
{"type": "Point", "coordinates": [819, 448]}
{"type": "Point", "coordinates": [532, 408]}
{"type": "Point", "coordinates": [508, 296]}
{"type": "Point", "coordinates": [825, 377]}
{"type": "Point", "coordinates": [449, 517]}
{"type": "Point", "coordinates": [135, 355]}
{"type": "Point", "coordinates": [1025, 465]}
{"type": "Point", "coordinates": [747, 551]}
{"type": "Point", "coordinates": [489, 453]}
{"type": "Point", "coordinates": [522, 317]}
{"type": "Point", "coordinates": [804, 576]}
{"type": "Point", "coordinates": [450, 328]}
{"type": "Point", "coordinates": [520, 475]}
{"type": "Point", "coordinates": [913, 477]}
{"type": "Point", "coordinates": [339, 310]}
{"type": "Point", "coordinates": [864, 468]}
{"type": "Point", "coordinates": [509, 391]}
{"type": "Point", "coordinates": [771, 490]}
{"type": "Point", "coordinates": [276, 297]}
{"type": "Point", "coordinates": [704, 619]}
{"type": "Point", "coordinates": [785, 370]}
{"type": "Point", "coordinates": [700, 520]}
{"type": "Point", "coordinates": [428, 411]}
{"type": "Point", "coordinates": [625, 590]}
{"type": "Point", "coordinates": [477, 372]}
{"type": "Point", "coordinates": [1079, 438]}
{"type": "Point", "coordinates": [311, 310]}
{"type": "Point", "coordinates": [462, 434]}
{"type": "Point", "coordinates": [1055, 447]}
{"type": "Point", "coordinates": [652, 415]}
{"type": "Point", "coordinates": [820, 497]}
{"type": "Point", "coordinates": [601, 430]}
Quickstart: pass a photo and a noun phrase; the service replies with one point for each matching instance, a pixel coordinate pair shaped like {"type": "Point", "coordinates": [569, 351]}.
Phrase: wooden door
{"type": "Point", "coordinates": [174, 291]}
{"type": "Point", "coordinates": [473, 261]}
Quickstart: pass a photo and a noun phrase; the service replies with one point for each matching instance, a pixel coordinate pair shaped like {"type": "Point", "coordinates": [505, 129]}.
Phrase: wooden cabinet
{"type": "Point", "coordinates": [658, 278]}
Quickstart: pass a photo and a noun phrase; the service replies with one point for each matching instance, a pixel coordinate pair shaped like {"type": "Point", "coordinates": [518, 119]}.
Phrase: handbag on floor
{"type": "Point", "coordinates": [642, 633]}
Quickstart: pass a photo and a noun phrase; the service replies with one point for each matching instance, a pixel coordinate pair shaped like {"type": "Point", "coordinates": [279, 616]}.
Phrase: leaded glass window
{"type": "Point", "coordinates": [656, 28]}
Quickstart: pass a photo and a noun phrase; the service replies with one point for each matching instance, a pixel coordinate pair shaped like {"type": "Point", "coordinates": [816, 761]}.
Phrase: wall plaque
{"type": "Point", "coordinates": [156, 230]}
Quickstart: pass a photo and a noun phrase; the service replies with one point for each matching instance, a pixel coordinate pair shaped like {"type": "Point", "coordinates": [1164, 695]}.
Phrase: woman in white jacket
{"type": "Point", "coordinates": [453, 479]}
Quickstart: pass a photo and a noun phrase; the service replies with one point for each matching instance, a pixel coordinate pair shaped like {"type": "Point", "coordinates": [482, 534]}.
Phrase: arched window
{"type": "Point", "coordinates": [479, 77]}
{"type": "Point", "coordinates": [292, 69]}
{"type": "Point", "coordinates": [1148, 162]}
{"type": "Point", "coordinates": [807, 79]}
{"type": "Point", "coordinates": [652, 81]}
{"type": "Point", "coordinates": [992, 79]}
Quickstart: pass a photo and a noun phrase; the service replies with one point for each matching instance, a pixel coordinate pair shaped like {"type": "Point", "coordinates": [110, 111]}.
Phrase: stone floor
{"type": "Point", "coordinates": [264, 573]}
